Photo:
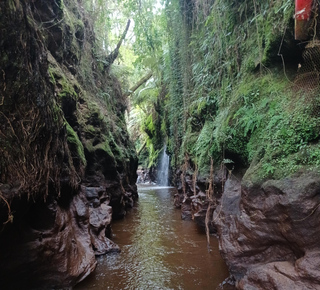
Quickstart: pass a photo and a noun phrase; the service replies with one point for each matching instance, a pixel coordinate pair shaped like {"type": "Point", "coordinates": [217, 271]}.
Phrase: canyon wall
{"type": "Point", "coordinates": [67, 166]}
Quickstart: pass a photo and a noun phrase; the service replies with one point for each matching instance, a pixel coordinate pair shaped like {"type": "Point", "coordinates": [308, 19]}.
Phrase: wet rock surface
{"type": "Point", "coordinates": [146, 176]}
{"type": "Point", "coordinates": [49, 246]}
{"type": "Point", "coordinates": [269, 233]}
{"type": "Point", "coordinates": [100, 216]}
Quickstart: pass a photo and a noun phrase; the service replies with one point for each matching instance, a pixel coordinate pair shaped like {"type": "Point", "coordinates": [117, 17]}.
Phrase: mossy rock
{"type": "Point", "coordinates": [75, 144]}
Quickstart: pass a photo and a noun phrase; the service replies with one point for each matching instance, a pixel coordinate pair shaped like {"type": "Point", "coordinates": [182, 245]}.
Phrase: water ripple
{"type": "Point", "coordinates": [159, 250]}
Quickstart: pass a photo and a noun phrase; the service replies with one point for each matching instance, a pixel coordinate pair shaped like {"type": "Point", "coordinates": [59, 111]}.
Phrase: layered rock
{"type": "Point", "coordinates": [269, 233]}
{"type": "Point", "coordinates": [100, 216]}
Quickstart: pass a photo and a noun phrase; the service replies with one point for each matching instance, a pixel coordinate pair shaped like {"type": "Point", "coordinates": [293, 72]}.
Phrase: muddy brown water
{"type": "Point", "coordinates": [159, 250]}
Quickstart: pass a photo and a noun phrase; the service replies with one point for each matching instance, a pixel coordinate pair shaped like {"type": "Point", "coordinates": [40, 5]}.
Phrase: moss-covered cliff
{"type": "Point", "coordinates": [66, 161]}
{"type": "Point", "coordinates": [238, 89]}
{"type": "Point", "coordinates": [243, 107]}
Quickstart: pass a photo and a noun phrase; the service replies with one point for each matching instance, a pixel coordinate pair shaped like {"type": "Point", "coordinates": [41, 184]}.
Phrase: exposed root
{"type": "Point", "coordinates": [183, 174]}
{"type": "Point", "coordinates": [120, 181]}
{"type": "Point", "coordinates": [207, 219]}
{"type": "Point", "coordinates": [209, 193]}
{"type": "Point", "coordinates": [300, 220]}
{"type": "Point", "coordinates": [4, 85]}
{"type": "Point", "coordinates": [10, 215]}
{"type": "Point", "coordinates": [194, 179]}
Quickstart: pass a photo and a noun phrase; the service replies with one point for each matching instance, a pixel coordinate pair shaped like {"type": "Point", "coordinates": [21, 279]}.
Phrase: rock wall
{"type": "Point", "coordinates": [47, 246]}
{"type": "Point", "coordinates": [269, 233]}
{"type": "Point", "coordinates": [67, 166]}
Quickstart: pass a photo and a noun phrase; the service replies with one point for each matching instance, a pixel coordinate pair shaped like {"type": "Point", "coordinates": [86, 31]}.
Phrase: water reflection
{"type": "Point", "coordinates": [159, 250]}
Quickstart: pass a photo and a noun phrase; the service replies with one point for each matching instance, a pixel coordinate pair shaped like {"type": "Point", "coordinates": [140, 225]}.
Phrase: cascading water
{"type": "Point", "coordinates": [163, 168]}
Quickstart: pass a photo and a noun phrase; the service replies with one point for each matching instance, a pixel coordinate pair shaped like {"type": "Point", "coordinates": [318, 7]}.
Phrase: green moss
{"type": "Point", "coordinates": [105, 147]}
{"type": "Point", "coordinates": [63, 82]}
{"type": "Point", "coordinates": [307, 159]}
{"type": "Point", "coordinates": [74, 140]}
{"type": "Point", "coordinates": [118, 152]}
{"type": "Point", "coordinates": [52, 77]}
{"type": "Point", "coordinates": [281, 129]}
{"type": "Point", "coordinates": [90, 129]}
{"type": "Point", "coordinates": [14, 5]}
{"type": "Point", "coordinates": [56, 113]}
{"type": "Point", "coordinates": [264, 124]}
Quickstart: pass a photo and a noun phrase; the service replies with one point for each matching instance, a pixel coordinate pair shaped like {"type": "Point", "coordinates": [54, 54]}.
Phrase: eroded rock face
{"type": "Point", "coordinates": [53, 244]}
{"type": "Point", "coordinates": [100, 216]}
{"type": "Point", "coordinates": [50, 246]}
{"type": "Point", "coordinates": [269, 234]}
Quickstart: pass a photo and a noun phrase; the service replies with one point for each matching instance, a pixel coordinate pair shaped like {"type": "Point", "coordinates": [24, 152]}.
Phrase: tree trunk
{"type": "Point", "coordinates": [114, 54]}
{"type": "Point", "coordinates": [138, 84]}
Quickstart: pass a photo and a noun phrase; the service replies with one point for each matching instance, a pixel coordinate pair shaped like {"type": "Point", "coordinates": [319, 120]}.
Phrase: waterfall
{"type": "Point", "coordinates": [163, 168]}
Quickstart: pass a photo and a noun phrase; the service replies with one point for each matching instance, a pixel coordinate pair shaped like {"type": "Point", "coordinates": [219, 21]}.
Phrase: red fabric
{"type": "Point", "coordinates": [303, 9]}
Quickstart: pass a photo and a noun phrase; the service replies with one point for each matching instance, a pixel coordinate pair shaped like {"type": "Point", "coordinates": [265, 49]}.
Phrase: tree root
{"type": "Point", "coordinates": [10, 215]}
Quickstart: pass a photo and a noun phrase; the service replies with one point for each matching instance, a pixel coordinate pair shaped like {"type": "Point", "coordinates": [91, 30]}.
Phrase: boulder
{"type": "Point", "coordinates": [48, 247]}
{"type": "Point", "coordinates": [269, 233]}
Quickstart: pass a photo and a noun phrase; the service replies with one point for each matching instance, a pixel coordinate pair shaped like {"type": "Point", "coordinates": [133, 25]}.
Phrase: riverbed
{"type": "Point", "coordinates": [158, 250]}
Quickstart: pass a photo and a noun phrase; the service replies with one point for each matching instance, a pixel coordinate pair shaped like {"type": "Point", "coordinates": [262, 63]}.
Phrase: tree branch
{"type": "Point", "coordinates": [114, 54]}
{"type": "Point", "coordinates": [141, 148]}
{"type": "Point", "coordinates": [138, 84]}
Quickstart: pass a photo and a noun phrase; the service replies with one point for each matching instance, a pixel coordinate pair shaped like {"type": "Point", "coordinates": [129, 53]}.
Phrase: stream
{"type": "Point", "coordinates": [158, 250]}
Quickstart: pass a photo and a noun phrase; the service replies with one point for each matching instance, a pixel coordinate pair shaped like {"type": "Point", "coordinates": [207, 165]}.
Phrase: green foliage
{"type": "Point", "coordinates": [141, 51]}
{"type": "Point", "coordinates": [147, 95]}
{"type": "Point", "coordinates": [204, 147]}
{"type": "Point", "coordinates": [149, 127]}
{"type": "Point", "coordinates": [153, 154]}
{"type": "Point", "coordinates": [217, 103]}
{"type": "Point", "coordinates": [218, 89]}
{"type": "Point", "coordinates": [64, 86]}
